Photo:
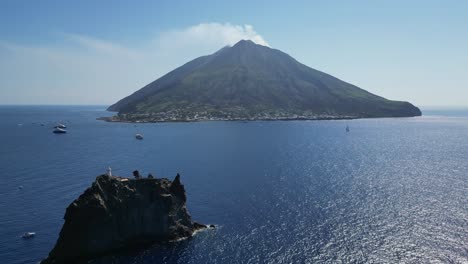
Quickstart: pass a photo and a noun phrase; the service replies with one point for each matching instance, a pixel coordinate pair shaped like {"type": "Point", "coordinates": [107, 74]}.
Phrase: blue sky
{"type": "Point", "coordinates": [96, 52]}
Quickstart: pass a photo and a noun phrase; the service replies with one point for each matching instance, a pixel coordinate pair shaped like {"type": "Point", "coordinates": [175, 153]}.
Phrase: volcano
{"type": "Point", "coordinates": [250, 82]}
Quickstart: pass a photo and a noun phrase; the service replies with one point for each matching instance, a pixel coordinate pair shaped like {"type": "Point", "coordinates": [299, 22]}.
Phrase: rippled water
{"type": "Point", "coordinates": [391, 190]}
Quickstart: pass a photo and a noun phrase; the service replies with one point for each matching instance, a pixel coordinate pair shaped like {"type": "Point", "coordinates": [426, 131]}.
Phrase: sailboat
{"type": "Point", "coordinates": [60, 125]}
{"type": "Point", "coordinates": [58, 130]}
{"type": "Point", "coordinates": [28, 235]}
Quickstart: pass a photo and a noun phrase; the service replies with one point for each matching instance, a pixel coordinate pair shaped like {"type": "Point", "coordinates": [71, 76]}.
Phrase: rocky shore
{"type": "Point", "coordinates": [117, 213]}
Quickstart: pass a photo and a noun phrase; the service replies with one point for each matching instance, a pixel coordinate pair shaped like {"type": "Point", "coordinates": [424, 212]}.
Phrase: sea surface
{"type": "Point", "coordinates": [389, 191]}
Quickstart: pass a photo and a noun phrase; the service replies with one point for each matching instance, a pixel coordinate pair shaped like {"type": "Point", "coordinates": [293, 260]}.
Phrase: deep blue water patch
{"type": "Point", "coordinates": [390, 190]}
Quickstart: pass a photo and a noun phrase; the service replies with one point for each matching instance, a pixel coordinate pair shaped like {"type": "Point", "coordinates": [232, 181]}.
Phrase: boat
{"type": "Point", "coordinates": [347, 128]}
{"type": "Point", "coordinates": [139, 136]}
{"type": "Point", "coordinates": [28, 235]}
{"type": "Point", "coordinates": [59, 125]}
{"type": "Point", "coordinates": [58, 130]}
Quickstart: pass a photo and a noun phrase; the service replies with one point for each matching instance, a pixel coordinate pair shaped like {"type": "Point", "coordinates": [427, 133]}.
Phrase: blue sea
{"type": "Point", "coordinates": [389, 191]}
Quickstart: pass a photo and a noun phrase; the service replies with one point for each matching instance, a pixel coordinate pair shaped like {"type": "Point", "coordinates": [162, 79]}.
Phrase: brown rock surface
{"type": "Point", "coordinates": [116, 213]}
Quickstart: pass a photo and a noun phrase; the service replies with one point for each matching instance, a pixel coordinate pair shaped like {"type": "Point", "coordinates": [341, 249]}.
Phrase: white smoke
{"type": "Point", "coordinates": [213, 34]}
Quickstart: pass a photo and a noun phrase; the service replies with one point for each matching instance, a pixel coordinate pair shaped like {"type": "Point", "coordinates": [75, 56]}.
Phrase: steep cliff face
{"type": "Point", "coordinates": [116, 213]}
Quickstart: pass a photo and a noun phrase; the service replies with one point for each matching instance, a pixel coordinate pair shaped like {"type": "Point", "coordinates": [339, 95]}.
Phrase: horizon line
{"type": "Point", "coordinates": [427, 107]}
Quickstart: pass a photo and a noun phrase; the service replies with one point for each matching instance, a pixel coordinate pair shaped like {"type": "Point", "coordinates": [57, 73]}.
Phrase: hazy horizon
{"type": "Point", "coordinates": [423, 108]}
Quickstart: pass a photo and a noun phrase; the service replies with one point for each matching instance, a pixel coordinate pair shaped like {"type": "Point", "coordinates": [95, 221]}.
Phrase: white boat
{"type": "Point", "coordinates": [139, 136]}
{"type": "Point", "coordinates": [59, 131]}
{"type": "Point", "coordinates": [28, 235]}
{"type": "Point", "coordinates": [59, 125]}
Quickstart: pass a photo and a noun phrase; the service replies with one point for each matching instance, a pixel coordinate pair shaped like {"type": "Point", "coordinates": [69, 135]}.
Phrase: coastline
{"type": "Point", "coordinates": [117, 119]}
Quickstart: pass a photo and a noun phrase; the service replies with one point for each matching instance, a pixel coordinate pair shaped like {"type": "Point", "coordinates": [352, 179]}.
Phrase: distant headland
{"type": "Point", "coordinates": [117, 213]}
{"type": "Point", "coordinates": [252, 82]}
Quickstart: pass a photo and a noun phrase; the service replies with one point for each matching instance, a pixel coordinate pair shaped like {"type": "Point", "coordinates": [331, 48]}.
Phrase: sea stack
{"type": "Point", "coordinates": [117, 213]}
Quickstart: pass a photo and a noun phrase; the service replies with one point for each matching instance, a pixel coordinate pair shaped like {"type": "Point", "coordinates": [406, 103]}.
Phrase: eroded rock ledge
{"type": "Point", "coordinates": [116, 213]}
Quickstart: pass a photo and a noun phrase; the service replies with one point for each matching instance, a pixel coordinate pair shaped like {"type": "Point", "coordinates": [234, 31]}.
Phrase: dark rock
{"type": "Point", "coordinates": [178, 188]}
{"type": "Point", "coordinates": [136, 174]}
{"type": "Point", "coordinates": [199, 226]}
{"type": "Point", "coordinates": [116, 213]}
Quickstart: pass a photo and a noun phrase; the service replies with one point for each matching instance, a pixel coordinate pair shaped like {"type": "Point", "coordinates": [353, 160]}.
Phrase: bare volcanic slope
{"type": "Point", "coordinates": [250, 81]}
